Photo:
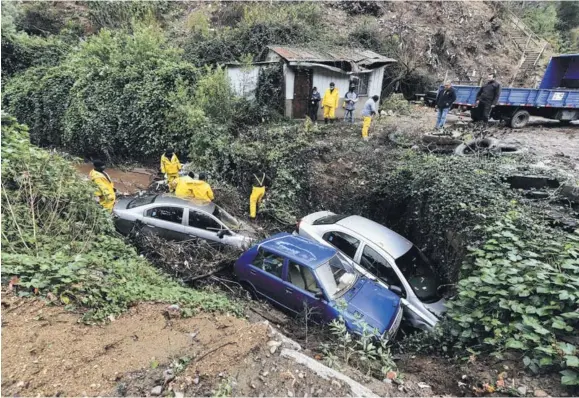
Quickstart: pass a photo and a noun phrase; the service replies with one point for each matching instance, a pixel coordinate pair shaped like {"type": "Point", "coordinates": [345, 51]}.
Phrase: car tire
{"type": "Point", "coordinates": [510, 150]}
{"type": "Point", "coordinates": [472, 146]}
{"type": "Point", "coordinates": [519, 119]}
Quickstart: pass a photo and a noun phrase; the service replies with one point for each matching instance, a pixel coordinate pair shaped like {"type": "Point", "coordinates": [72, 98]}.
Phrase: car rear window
{"type": "Point", "coordinates": [141, 201]}
{"type": "Point", "coordinates": [331, 219]}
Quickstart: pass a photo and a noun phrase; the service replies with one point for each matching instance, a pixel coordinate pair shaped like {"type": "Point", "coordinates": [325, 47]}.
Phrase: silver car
{"type": "Point", "coordinates": [384, 255]}
{"type": "Point", "coordinates": [179, 219]}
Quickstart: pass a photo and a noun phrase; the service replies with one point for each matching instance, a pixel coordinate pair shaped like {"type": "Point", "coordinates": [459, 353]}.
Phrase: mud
{"type": "Point", "coordinates": [128, 181]}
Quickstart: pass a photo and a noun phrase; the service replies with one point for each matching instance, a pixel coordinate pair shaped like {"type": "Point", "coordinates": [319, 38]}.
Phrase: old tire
{"type": "Point", "coordinates": [509, 150]}
{"type": "Point", "coordinates": [519, 119]}
{"type": "Point", "coordinates": [473, 146]}
{"type": "Point", "coordinates": [440, 140]}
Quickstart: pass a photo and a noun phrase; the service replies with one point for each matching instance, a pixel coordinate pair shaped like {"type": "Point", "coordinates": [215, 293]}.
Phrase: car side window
{"type": "Point", "coordinates": [269, 262]}
{"type": "Point", "coordinates": [203, 221]}
{"type": "Point", "coordinates": [377, 265]}
{"type": "Point", "coordinates": [303, 278]}
{"type": "Point", "coordinates": [344, 242]}
{"type": "Point", "coordinates": [171, 214]}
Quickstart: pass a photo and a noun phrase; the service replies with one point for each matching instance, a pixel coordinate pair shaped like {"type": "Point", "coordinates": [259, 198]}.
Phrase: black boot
{"type": "Point", "coordinates": [325, 120]}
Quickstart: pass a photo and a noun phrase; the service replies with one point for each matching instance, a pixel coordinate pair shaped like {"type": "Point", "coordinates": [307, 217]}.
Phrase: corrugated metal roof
{"type": "Point", "coordinates": [341, 54]}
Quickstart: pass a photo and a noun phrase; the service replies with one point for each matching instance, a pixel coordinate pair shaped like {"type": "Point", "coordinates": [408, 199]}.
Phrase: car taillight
{"type": "Point", "coordinates": [298, 226]}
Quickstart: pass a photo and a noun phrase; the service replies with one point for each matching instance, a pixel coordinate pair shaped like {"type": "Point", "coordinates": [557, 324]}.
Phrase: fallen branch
{"type": "Point", "coordinates": [207, 274]}
{"type": "Point", "coordinates": [213, 350]}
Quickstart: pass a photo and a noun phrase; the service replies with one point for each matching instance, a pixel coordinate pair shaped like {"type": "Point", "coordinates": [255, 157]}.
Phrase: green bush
{"type": "Point", "coordinates": [60, 244]}
{"type": "Point", "coordinates": [520, 290]}
{"type": "Point", "coordinates": [118, 94]}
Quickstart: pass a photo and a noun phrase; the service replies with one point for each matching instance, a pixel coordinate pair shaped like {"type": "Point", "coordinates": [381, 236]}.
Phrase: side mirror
{"type": "Point", "coordinates": [222, 233]}
{"type": "Point", "coordinates": [396, 290]}
{"type": "Point", "coordinates": [320, 296]}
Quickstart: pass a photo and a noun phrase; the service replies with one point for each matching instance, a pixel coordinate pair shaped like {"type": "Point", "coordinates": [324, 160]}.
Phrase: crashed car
{"type": "Point", "coordinates": [178, 219]}
{"type": "Point", "coordinates": [384, 255]}
{"type": "Point", "coordinates": [296, 273]}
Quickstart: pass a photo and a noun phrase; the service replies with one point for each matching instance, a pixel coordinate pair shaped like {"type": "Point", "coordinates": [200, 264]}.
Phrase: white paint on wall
{"type": "Point", "coordinates": [289, 78]}
{"type": "Point", "coordinates": [243, 79]}
{"type": "Point", "coordinates": [375, 83]}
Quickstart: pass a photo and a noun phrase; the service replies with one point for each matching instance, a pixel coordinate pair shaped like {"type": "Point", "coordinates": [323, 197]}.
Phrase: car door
{"type": "Point", "coordinates": [165, 221]}
{"type": "Point", "coordinates": [266, 275]}
{"type": "Point", "coordinates": [202, 225]}
{"type": "Point", "coordinates": [300, 289]}
{"type": "Point", "coordinates": [346, 243]}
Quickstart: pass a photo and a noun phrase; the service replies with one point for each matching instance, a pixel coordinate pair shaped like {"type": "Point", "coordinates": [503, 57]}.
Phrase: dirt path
{"type": "Point", "coordinates": [127, 182]}
{"type": "Point", "coordinates": [45, 351]}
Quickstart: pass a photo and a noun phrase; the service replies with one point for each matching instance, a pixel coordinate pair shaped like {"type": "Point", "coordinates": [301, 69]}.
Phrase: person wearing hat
{"type": "Point", "coordinates": [105, 193]}
{"type": "Point", "coordinates": [330, 103]}
{"type": "Point", "coordinates": [170, 166]}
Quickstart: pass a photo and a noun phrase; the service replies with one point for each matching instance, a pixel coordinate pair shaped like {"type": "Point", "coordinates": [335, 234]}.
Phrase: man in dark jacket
{"type": "Point", "coordinates": [314, 105]}
{"type": "Point", "coordinates": [444, 101]}
{"type": "Point", "coordinates": [486, 98]}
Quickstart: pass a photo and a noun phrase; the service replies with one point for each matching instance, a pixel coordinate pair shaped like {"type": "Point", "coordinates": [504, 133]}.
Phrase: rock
{"type": "Point", "coordinates": [156, 391]}
{"type": "Point", "coordinates": [540, 393]}
{"type": "Point", "coordinates": [522, 390]}
{"type": "Point", "coordinates": [179, 394]}
{"type": "Point", "coordinates": [273, 346]}
{"type": "Point", "coordinates": [319, 393]}
{"type": "Point", "coordinates": [264, 374]}
{"type": "Point", "coordinates": [168, 375]}
{"type": "Point", "coordinates": [387, 381]}
{"type": "Point", "coordinates": [173, 307]}
{"type": "Point", "coordinates": [301, 375]}
{"type": "Point", "coordinates": [337, 384]}
{"type": "Point", "coordinates": [290, 393]}
{"type": "Point", "coordinates": [423, 385]}
{"type": "Point", "coordinates": [196, 379]}
{"type": "Point", "coordinates": [252, 385]}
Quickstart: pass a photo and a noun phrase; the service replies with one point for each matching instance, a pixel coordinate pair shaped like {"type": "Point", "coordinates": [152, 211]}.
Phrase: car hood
{"type": "Point", "coordinates": [372, 303]}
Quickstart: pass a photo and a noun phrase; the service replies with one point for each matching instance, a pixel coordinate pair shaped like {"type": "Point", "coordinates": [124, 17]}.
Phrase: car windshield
{"type": "Point", "coordinates": [141, 201]}
{"type": "Point", "coordinates": [336, 276]}
{"type": "Point", "coordinates": [226, 218]}
{"type": "Point", "coordinates": [419, 274]}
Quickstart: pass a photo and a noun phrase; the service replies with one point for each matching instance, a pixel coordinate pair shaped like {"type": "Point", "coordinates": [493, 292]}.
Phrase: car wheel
{"type": "Point", "coordinates": [476, 145]}
{"type": "Point", "coordinates": [520, 119]}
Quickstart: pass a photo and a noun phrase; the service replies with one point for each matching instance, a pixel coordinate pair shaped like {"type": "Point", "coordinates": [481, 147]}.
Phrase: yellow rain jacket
{"type": "Point", "coordinates": [184, 187]}
{"type": "Point", "coordinates": [201, 190]}
{"type": "Point", "coordinates": [331, 98]}
{"type": "Point", "coordinates": [105, 189]}
{"type": "Point", "coordinates": [172, 166]}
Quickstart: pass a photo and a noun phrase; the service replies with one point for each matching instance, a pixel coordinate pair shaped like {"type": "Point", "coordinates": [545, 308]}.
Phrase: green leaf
{"type": "Point", "coordinates": [569, 377]}
{"type": "Point", "coordinates": [516, 344]}
{"type": "Point", "coordinates": [572, 361]}
{"type": "Point", "coordinates": [558, 324]}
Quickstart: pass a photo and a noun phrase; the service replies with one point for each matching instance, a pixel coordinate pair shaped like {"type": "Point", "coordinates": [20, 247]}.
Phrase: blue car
{"type": "Point", "coordinates": [294, 272]}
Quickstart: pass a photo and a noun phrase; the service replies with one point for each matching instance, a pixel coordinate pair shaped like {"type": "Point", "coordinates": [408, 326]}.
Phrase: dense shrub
{"type": "Point", "coordinates": [57, 242]}
{"type": "Point", "coordinates": [116, 95]}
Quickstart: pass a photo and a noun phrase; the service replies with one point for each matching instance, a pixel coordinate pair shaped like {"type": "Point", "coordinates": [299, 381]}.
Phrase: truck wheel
{"type": "Point", "coordinates": [520, 119]}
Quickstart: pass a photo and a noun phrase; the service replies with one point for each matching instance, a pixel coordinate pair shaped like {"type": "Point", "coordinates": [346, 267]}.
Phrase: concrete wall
{"type": "Point", "coordinates": [244, 79]}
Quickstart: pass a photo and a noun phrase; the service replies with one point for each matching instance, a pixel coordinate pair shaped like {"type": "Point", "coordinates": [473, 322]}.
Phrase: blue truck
{"type": "Point", "coordinates": [556, 98]}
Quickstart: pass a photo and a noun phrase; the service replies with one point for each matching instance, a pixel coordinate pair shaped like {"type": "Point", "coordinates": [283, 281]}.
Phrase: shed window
{"type": "Point", "coordinates": [361, 83]}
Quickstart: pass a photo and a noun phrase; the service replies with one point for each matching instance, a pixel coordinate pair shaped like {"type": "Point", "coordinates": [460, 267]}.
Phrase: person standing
{"type": "Point", "coordinates": [370, 109]}
{"type": "Point", "coordinates": [444, 101]}
{"type": "Point", "coordinates": [315, 99]}
{"type": "Point", "coordinates": [330, 103]}
{"type": "Point", "coordinates": [170, 166]}
{"type": "Point", "coordinates": [350, 100]}
{"type": "Point", "coordinates": [257, 194]}
{"type": "Point", "coordinates": [486, 98]}
{"type": "Point", "coordinates": [105, 193]}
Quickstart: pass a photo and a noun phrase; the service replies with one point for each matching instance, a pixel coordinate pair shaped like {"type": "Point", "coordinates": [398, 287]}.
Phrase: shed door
{"type": "Point", "coordinates": [302, 90]}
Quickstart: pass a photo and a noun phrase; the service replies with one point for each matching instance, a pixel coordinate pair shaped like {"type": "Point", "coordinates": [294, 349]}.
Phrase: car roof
{"type": "Point", "coordinates": [394, 244]}
{"type": "Point", "coordinates": [168, 199]}
{"type": "Point", "coordinates": [299, 249]}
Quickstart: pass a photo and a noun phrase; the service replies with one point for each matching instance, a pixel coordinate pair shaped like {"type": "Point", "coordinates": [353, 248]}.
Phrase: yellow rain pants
{"type": "Point", "coordinates": [366, 126]}
{"type": "Point", "coordinates": [255, 198]}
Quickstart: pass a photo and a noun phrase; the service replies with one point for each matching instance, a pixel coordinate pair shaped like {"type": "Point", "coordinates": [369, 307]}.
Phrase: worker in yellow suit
{"type": "Point", "coordinates": [330, 103]}
{"type": "Point", "coordinates": [257, 193]}
{"type": "Point", "coordinates": [201, 189]}
{"type": "Point", "coordinates": [170, 166]}
{"type": "Point", "coordinates": [184, 186]}
{"type": "Point", "coordinates": [370, 110]}
{"type": "Point", "coordinates": [105, 193]}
